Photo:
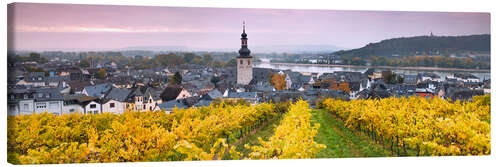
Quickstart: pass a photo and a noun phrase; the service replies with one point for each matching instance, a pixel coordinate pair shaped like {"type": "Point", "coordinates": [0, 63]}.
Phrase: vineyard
{"type": "Point", "coordinates": [186, 134]}
{"type": "Point", "coordinates": [411, 126]}
{"type": "Point", "coordinates": [420, 127]}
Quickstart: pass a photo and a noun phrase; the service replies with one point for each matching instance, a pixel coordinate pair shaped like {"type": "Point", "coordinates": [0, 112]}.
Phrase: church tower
{"type": "Point", "coordinates": [244, 61]}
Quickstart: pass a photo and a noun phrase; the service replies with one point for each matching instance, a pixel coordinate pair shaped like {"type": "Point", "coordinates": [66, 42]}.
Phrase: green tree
{"type": "Point", "coordinates": [188, 57]}
{"type": "Point", "coordinates": [207, 59]}
{"type": "Point", "coordinates": [214, 79]}
{"type": "Point", "coordinates": [102, 73]}
{"type": "Point", "coordinates": [37, 58]}
{"type": "Point", "coordinates": [231, 63]}
{"type": "Point", "coordinates": [34, 56]}
{"type": "Point", "coordinates": [84, 63]}
{"type": "Point", "coordinates": [176, 79]}
{"type": "Point", "coordinates": [36, 69]}
{"type": "Point", "coordinates": [168, 59]}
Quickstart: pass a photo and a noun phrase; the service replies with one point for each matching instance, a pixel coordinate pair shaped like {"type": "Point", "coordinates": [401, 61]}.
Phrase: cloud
{"type": "Point", "coordinates": [75, 29]}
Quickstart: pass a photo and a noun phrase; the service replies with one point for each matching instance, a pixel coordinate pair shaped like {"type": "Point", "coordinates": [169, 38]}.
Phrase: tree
{"type": "Point", "coordinates": [334, 85]}
{"type": "Point", "coordinates": [207, 59]}
{"type": "Point", "coordinates": [101, 74]}
{"type": "Point", "coordinates": [34, 56]}
{"type": "Point", "coordinates": [169, 59]}
{"type": "Point", "coordinates": [393, 78]}
{"type": "Point", "coordinates": [231, 63]}
{"type": "Point", "coordinates": [176, 79]}
{"type": "Point", "coordinates": [84, 63]}
{"type": "Point", "coordinates": [214, 80]}
{"type": "Point", "coordinates": [36, 69]}
{"type": "Point", "coordinates": [278, 81]}
{"type": "Point", "coordinates": [188, 57]}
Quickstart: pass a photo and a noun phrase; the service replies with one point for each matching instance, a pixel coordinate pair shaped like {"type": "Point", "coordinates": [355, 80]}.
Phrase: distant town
{"type": "Point", "coordinates": [101, 82]}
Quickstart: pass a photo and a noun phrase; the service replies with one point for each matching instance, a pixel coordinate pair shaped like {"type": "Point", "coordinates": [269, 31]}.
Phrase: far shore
{"type": "Point", "coordinates": [389, 67]}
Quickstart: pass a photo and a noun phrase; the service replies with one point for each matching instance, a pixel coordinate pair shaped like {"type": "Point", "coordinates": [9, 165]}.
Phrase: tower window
{"type": "Point", "coordinates": [241, 61]}
{"type": "Point", "coordinates": [248, 62]}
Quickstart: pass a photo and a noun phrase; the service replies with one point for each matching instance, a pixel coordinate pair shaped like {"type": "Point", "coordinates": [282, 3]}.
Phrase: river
{"type": "Point", "coordinates": [265, 63]}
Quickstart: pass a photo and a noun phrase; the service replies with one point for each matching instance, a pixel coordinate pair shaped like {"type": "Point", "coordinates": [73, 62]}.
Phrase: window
{"type": "Point", "coordinates": [144, 107]}
{"type": "Point", "coordinates": [150, 108]}
{"type": "Point", "coordinates": [71, 110]}
{"type": "Point", "coordinates": [11, 96]}
{"type": "Point", "coordinates": [241, 61]}
{"type": "Point", "coordinates": [93, 106]}
{"type": "Point", "coordinates": [26, 106]}
{"type": "Point", "coordinates": [96, 112]}
{"type": "Point", "coordinates": [40, 95]}
{"type": "Point", "coordinates": [111, 105]}
{"type": "Point", "coordinates": [248, 62]}
{"type": "Point", "coordinates": [25, 96]}
{"type": "Point", "coordinates": [150, 101]}
{"type": "Point", "coordinates": [41, 105]}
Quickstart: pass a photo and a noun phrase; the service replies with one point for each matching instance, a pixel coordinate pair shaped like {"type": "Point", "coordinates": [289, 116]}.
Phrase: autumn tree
{"type": "Point", "coordinates": [334, 85]}
{"type": "Point", "coordinates": [101, 74]}
{"type": "Point", "coordinates": [278, 81]}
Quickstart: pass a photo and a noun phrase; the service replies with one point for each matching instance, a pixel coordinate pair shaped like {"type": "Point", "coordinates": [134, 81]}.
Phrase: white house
{"type": "Point", "coordinates": [116, 100]}
{"type": "Point", "coordinates": [48, 100]}
{"type": "Point", "coordinates": [92, 107]}
{"type": "Point", "coordinates": [464, 77]}
{"type": "Point", "coordinates": [114, 106]}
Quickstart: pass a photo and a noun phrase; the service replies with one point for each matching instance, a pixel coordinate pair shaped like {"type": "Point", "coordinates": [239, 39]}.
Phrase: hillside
{"type": "Point", "coordinates": [420, 44]}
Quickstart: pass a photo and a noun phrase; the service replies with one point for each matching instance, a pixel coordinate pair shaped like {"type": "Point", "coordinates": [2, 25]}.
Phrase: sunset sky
{"type": "Point", "coordinates": [89, 27]}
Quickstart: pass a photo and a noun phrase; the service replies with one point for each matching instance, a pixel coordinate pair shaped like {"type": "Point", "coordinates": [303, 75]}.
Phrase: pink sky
{"type": "Point", "coordinates": [68, 27]}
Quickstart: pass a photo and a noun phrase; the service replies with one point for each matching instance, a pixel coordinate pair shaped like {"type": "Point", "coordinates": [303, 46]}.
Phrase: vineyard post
{"type": "Point", "coordinates": [392, 144]}
{"type": "Point", "coordinates": [397, 145]}
{"type": "Point", "coordinates": [418, 150]}
{"type": "Point", "coordinates": [404, 148]}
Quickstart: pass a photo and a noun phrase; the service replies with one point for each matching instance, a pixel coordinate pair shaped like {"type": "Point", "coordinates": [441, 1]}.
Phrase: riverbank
{"type": "Point", "coordinates": [389, 67]}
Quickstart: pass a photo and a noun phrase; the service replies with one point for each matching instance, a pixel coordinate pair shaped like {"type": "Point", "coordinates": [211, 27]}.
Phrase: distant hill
{"type": "Point", "coordinates": [254, 49]}
{"type": "Point", "coordinates": [427, 44]}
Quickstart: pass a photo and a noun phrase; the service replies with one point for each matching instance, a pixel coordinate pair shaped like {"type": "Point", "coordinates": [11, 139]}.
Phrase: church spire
{"type": "Point", "coordinates": [244, 51]}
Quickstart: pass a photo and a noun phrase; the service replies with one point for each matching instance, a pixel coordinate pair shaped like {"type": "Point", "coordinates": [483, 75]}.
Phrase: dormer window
{"type": "Point", "coordinates": [40, 95]}
{"type": "Point", "coordinates": [25, 96]}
